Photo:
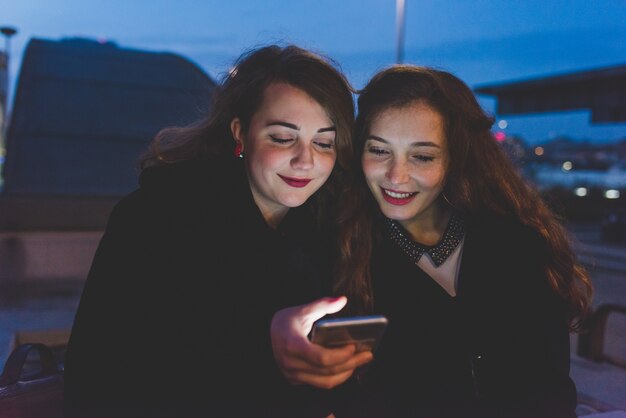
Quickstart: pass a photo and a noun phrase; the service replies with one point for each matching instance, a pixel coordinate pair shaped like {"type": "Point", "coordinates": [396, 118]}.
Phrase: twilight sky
{"type": "Point", "coordinates": [481, 41]}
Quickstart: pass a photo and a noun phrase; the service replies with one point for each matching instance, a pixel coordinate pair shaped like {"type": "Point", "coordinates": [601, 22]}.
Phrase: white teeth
{"type": "Point", "coordinates": [396, 195]}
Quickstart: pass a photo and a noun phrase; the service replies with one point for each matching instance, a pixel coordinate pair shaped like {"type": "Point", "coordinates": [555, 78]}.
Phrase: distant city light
{"type": "Point", "coordinates": [567, 165]}
{"type": "Point", "coordinates": [580, 191]}
{"type": "Point", "coordinates": [611, 194]}
{"type": "Point", "coordinates": [539, 151]}
{"type": "Point", "coordinates": [503, 124]}
{"type": "Point", "coordinates": [500, 136]}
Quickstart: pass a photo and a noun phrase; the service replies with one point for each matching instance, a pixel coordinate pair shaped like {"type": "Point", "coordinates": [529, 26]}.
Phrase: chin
{"type": "Point", "coordinates": [398, 215]}
{"type": "Point", "coordinates": [294, 202]}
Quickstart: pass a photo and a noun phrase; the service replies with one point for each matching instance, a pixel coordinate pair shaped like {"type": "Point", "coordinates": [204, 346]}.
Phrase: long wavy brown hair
{"type": "Point", "coordinates": [471, 186]}
{"type": "Point", "coordinates": [239, 95]}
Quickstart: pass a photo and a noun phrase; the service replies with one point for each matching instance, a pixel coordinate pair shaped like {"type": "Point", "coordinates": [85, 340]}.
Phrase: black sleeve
{"type": "Point", "coordinates": [109, 335]}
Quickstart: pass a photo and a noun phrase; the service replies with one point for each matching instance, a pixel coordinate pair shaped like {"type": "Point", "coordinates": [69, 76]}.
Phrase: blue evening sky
{"type": "Point", "coordinates": [481, 41]}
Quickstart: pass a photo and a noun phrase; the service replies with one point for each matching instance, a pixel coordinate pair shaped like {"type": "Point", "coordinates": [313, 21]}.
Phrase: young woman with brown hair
{"type": "Point", "coordinates": [473, 271]}
{"type": "Point", "coordinates": [226, 228]}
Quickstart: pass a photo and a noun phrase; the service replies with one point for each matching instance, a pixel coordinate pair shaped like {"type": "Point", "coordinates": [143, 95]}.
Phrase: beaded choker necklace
{"type": "Point", "coordinates": [439, 252]}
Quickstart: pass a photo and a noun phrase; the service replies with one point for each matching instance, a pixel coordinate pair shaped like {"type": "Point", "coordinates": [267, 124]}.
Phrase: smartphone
{"type": "Point", "coordinates": [364, 331]}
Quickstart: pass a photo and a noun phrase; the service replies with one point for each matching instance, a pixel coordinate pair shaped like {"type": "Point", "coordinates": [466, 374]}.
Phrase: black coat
{"type": "Point", "coordinates": [500, 348]}
{"type": "Point", "coordinates": [175, 314]}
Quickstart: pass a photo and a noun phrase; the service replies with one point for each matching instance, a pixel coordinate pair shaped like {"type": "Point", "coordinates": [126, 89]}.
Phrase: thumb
{"type": "Point", "coordinates": [324, 306]}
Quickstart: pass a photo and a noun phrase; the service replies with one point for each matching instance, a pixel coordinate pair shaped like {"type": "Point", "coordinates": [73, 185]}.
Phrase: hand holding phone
{"type": "Point", "coordinates": [364, 331]}
{"type": "Point", "coordinates": [301, 361]}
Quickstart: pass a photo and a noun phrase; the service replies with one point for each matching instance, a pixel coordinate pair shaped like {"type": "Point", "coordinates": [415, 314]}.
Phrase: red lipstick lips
{"type": "Point", "coordinates": [400, 198]}
{"type": "Point", "coordinates": [295, 182]}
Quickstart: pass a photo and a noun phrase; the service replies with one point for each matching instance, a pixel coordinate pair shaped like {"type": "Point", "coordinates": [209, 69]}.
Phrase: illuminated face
{"type": "Point", "coordinates": [289, 149]}
{"type": "Point", "coordinates": [404, 161]}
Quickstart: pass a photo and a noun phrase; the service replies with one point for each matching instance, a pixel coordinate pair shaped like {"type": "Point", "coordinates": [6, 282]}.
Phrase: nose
{"type": "Point", "coordinates": [303, 157]}
{"type": "Point", "coordinates": [398, 172]}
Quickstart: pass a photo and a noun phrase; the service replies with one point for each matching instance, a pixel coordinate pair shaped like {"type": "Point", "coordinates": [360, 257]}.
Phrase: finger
{"type": "Point", "coordinates": [323, 382]}
{"type": "Point", "coordinates": [352, 363]}
{"type": "Point", "coordinates": [324, 306]}
{"type": "Point", "coordinates": [321, 356]}
{"type": "Point", "coordinates": [295, 366]}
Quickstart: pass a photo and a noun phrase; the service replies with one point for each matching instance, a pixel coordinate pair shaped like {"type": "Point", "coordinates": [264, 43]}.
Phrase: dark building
{"type": "Point", "coordinates": [83, 113]}
{"type": "Point", "coordinates": [603, 91]}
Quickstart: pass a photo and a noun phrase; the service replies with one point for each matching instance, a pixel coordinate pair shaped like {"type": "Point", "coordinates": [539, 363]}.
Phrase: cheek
{"type": "Point", "coordinates": [435, 179]}
{"type": "Point", "coordinates": [262, 160]}
{"type": "Point", "coordinates": [370, 168]}
{"type": "Point", "coordinates": [260, 168]}
{"type": "Point", "coordinates": [326, 163]}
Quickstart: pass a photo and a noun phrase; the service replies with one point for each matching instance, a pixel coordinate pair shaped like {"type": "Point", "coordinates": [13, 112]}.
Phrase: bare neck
{"type": "Point", "coordinates": [429, 228]}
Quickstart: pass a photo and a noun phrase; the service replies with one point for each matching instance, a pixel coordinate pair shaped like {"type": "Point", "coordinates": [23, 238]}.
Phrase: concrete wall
{"type": "Point", "coordinates": [27, 257]}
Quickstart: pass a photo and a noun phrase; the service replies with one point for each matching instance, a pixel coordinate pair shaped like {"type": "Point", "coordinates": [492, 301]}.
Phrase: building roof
{"type": "Point", "coordinates": [601, 90]}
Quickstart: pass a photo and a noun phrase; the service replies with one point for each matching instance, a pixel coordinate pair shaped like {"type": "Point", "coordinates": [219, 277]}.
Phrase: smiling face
{"type": "Point", "coordinates": [404, 161]}
{"type": "Point", "coordinates": [289, 149]}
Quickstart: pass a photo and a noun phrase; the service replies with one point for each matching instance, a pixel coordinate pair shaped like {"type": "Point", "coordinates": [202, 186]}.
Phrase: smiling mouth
{"type": "Point", "coordinates": [295, 182]}
{"type": "Point", "coordinates": [398, 198]}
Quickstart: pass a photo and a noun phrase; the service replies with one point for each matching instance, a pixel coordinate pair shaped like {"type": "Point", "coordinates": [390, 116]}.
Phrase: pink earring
{"type": "Point", "coordinates": [238, 150]}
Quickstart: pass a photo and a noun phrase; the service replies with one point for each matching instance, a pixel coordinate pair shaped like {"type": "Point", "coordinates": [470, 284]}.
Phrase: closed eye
{"type": "Point", "coordinates": [424, 158]}
{"type": "Point", "coordinates": [279, 140]}
{"type": "Point", "coordinates": [377, 151]}
{"type": "Point", "coordinates": [325, 145]}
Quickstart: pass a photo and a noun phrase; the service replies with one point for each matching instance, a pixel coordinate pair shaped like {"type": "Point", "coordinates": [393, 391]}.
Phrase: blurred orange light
{"type": "Point", "coordinates": [539, 151]}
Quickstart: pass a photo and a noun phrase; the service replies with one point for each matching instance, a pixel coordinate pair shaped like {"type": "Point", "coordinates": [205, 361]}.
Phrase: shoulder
{"type": "Point", "coordinates": [178, 192]}
{"type": "Point", "coordinates": [506, 233]}
{"type": "Point", "coordinates": [198, 183]}
{"type": "Point", "coordinates": [510, 254]}
{"type": "Point", "coordinates": [506, 239]}
{"type": "Point", "coordinates": [188, 175]}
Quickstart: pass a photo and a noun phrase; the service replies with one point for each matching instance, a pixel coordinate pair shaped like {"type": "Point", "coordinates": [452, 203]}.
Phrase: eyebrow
{"type": "Point", "coordinates": [413, 144]}
{"type": "Point", "coordinates": [297, 128]}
